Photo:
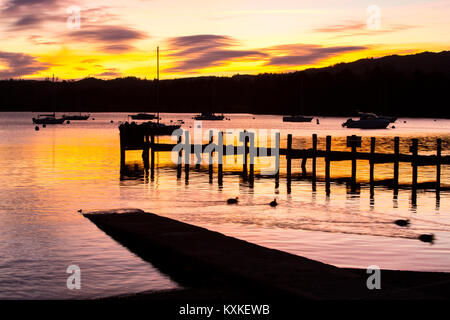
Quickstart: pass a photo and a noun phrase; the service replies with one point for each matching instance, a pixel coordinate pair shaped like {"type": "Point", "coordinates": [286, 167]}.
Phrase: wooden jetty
{"type": "Point", "coordinates": [137, 138]}
{"type": "Point", "coordinates": [211, 262]}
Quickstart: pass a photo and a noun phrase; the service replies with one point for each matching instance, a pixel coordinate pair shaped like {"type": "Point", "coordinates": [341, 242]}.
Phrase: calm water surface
{"type": "Point", "coordinates": [47, 175]}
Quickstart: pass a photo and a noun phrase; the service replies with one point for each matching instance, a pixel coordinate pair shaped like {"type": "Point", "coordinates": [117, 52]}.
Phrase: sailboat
{"type": "Point", "coordinates": [159, 128]}
{"type": "Point", "coordinates": [48, 119]}
{"type": "Point", "coordinates": [297, 117]}
{"type": "Point", "coordinates": [210, 116]}
{"type": "Point", "coordinates": [51, 117]}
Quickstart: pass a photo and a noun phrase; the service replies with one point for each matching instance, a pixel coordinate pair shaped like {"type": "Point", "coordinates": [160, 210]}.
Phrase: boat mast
{"type": "Point", "coordinates": [157, 81]}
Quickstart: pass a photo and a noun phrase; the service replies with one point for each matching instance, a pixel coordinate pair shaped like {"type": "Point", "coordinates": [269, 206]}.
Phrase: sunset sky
{"type": "Point", "coordinates": [209, 37]}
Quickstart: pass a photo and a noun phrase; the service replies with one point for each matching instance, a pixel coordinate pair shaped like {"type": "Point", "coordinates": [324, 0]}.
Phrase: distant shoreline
{"type": "Point", "coordinates": [403, 86]}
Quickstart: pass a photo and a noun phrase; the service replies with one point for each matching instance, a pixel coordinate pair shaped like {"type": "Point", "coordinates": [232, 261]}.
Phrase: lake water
{"type": "Point", "coordinates": [47, 175]}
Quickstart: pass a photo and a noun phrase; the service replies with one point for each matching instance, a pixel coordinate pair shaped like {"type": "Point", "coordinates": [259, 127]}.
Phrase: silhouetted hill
{"type": "Point", "coordinates": [427, 62]}
{"type": "Point", "coordinates": [411, 85]}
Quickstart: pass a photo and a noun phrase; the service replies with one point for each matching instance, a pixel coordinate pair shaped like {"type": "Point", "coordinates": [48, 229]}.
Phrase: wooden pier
{"type": "Point", "coordinates": [210, 265]}
{"type": "Point", "coordinates": [134, 138]}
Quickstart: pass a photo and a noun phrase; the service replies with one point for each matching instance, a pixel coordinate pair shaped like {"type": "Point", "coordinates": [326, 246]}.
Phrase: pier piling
{"type": "Point", "coordinates": [372, 164]}
{"type": "Point", "coordinates": [289, 161]}
{"type": "Point", "coordinates": [438, 165]}
{"type": "Point", "coordinates": [251, 176]}
{"type": "Point", "coordinates": [414, 150]}
{"type": "Point", "coordinates": [396, 163]}
{"type": "Point", "coordinates": [314, 161]}
{"type": "Point", "coordinates": [220, 164]}
{"type": "Point", "coordinates": [180, 155]}
{"type": "Point", "coordinates": [211, 157]}
{"type": "Point", "coordinates": [152, 161]}
{"type": "Point", "coordinates": [327, 164]}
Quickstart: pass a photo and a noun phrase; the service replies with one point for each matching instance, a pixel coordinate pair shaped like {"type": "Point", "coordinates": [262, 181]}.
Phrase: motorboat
{"type": "Point", "coordinates": [367, 121]}
{"type": "Point", "coordinates": [389, 118]}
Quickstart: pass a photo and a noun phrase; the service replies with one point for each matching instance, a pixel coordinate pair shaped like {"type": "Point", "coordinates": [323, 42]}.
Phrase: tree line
{"type": "Point", "coordinates": [419, 88]}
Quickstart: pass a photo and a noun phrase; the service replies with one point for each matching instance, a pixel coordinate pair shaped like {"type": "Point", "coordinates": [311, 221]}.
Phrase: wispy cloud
{"type": "Point", "coordinates": [345, 27]}
{"type": "Point", "coordinates": [305, 54]}
{"type": "Point", "coordinates": [202, 51]}
{"type": "Point", "coordinates": [115, 39]}
{"type": "Point", "coordinates": [106, 34]}
{"type": "Point", "coordinates": [19, 64]}
{"type": "Point", "coordinates": [358, 28]}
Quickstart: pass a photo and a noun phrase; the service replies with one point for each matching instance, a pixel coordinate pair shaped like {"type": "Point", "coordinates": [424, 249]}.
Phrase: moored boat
{"type": "Point", "coordinates": [388, 118]}
{"type": "Point", "coordinates": [143, 116]}
{"type": "Point", "coordinates": [297, 118]}
{"type": "Point", "coordinates": [367, 121]}
{"type": "Point", "coordinates": [209, 116]}
{"type": "Point", "coordinates": [48, 119]}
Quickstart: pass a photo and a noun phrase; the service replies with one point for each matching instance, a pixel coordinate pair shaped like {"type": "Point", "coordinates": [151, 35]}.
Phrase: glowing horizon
{"type": "Point", "coordinates": [209, 38]}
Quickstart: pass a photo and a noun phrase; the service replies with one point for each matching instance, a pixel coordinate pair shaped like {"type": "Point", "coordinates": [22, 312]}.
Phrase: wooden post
{"type": "Point", "coordinates": [145, 152]}
{"type": "Point", "coordinates": [396, 161]}
{"type": "Point", "coordinates": [220, 165]}
{"type": "Point", "coordinates": [314, 160]}
{"type": "Point", "coordinates": [187, 160]}
{"type": "Point", "coordinates": [211, 157]}
{"type": "Point", "coordinates": [353, 146]}
{"type": "Point", "coordinates": [152, 163]}
{"type": "Point", "coordinates": [289, 160]}
{"type": "Point", "coordinates": [372, 164]}
{"type": "Point", "coordinates": [414, 151]}
{"type": "Point", "coordinates": [252, 160]}
{"type": "Point", "coordinates": [245, 156]}
{"type": "Point", "coordinates": [327, 165]}
{"type": "Point", "coordinates": [122, 149]}
{"type": "Point", "coordinates": [438, 165]}
{"type": "Point", "coordinates": [180, 155]}
{"type": "Point", "coordinates": [277, 161]}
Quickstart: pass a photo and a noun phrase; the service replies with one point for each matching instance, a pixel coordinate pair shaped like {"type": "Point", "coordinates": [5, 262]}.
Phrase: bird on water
{"type": "Point", "coordinates": [232, 200]}
{"type": "Point", "coordinates": [80, 211]}
{"type": "Point", "coordinates": [402, 222]}
{"type": "Point", "coordinates": [273, 203]}
{"type": "Point", "coordinates": [427, 238]}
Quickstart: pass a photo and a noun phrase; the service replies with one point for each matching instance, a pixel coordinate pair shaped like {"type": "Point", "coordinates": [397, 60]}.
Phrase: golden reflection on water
{"type": "Point", "coordinates": [47, 175]}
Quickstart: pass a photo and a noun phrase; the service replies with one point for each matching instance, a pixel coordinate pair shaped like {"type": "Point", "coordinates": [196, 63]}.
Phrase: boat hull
{"type": "Point", "coordinates": [205, 118]}
{"type": "Point", "coordinates": [48, 121]}
{"type": "Point", "coordinates": [143, 116]}
{"type": "Point", "coordinates": [366, 124]}
{"type": "Point", "coordinates": [297, 119]}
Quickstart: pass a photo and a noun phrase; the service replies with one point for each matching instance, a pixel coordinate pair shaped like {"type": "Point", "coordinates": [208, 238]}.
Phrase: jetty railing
{"type": "Point", "coordinates": [134, 138]}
